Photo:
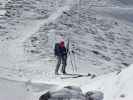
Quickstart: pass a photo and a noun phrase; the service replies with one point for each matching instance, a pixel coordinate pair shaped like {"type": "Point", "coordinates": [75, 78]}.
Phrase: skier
{"type": "Point", "coordinates": [61, 54]}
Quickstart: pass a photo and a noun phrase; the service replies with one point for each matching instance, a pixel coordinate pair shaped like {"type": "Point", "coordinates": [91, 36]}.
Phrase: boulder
{"type": "Point", "coordinates": [71, 93]}
{"type": "Point", "coordinates": [45, 96]}
{"type": "Point", "coordinates": [94, 95]}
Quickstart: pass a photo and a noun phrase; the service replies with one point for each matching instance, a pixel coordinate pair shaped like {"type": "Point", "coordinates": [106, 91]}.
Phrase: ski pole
{"type": "Point", "coordinates": [71, 62]}
{"type": "Point", "coordinates": [74, 60]}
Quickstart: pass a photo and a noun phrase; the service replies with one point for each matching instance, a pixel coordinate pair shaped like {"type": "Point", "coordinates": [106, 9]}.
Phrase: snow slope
{"type": "Point", "coordinates": [28, 36]}
{"type": "Point", "coordinates": [100, 34]}
{"type": "Point", "coordinates": [19, 90]}
{"type": "Point", "coordinates": [104, 43]}
{"type": "Point", "coordinates": [114, 86]}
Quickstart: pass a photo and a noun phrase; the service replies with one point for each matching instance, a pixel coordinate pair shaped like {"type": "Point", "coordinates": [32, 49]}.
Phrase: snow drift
{"type": "Point", "coordinates": [115, 86]}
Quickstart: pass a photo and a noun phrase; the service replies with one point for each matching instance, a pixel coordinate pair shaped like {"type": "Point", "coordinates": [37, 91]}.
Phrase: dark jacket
{"type": "Point", "coordinates": [60, 51]}
{"type": "Point", "coordinates": [63, 51]}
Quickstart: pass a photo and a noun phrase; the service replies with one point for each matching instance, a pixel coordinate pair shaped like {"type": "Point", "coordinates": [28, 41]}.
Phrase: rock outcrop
{"type": "Point", "coordinates": [71, 93]}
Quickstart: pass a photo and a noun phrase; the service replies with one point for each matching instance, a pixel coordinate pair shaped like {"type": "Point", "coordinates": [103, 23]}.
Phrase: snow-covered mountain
{"type": "Point", "coordinates": [125, 2]}
{"type": "Point", "coordinates": [100, 34]}
{"type": "Point", "coordinates": [98, 39]}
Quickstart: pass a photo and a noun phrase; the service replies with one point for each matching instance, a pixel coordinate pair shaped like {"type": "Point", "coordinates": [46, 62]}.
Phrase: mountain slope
{"type": "Point", "coordinates": [101, 42]}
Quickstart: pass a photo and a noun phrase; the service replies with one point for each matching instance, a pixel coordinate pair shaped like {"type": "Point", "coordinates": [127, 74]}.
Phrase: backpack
{"type": "Point", "coordinates": [57, 49]}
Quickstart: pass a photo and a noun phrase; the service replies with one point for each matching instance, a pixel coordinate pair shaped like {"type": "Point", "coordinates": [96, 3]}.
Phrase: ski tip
{"type": "Point", "coordinates": [89, 74]}
{"type": "Point", "coordinates": [93, 76]}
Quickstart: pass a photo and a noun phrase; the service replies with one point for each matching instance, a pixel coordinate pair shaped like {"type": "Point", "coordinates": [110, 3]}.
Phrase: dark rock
{"type": "Point", "coordinates": [66, 93]}
{"type": "Point", "coordinates": [45, 96]}
{"type": "Point", "coordinates": [94, 95]}
{"type": "Point", "coordinates": [126, 64]}
{"type": "Point", "coordinates": [116, 23]}
{"type": "Point", "coordinates": [96, 52]}
{"type": "Point", "coordinates": [122, 95]}
{"type": "Point", "coordinates": [71, 93]}
{"type": "Point", "coordinates": [67, 13]}
{"type": "Point", "coordinates": [34, 51]}
{"type": "Point", "coordinates": [107, 58]}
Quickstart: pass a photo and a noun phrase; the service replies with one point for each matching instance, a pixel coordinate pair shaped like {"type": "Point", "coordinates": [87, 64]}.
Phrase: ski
{"type": "Point", "coordinates": [72, 76]}
{"type": "Point", "coordinates": [68, 76]}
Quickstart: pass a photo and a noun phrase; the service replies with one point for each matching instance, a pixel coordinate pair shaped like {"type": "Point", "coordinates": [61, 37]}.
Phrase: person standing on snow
{"type": "Point", "coordinates": [60, 52]}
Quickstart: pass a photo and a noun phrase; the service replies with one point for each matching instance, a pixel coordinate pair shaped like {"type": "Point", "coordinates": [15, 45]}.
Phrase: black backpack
{"type": "Point", "coordinates": [57, 49]}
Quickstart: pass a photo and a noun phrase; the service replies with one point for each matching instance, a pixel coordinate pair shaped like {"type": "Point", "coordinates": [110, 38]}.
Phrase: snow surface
{"type": "Point", "coordinates": [100, 33]}
{"type": "Point", "coordinates": [114, 86]}
{"type": "Point", "coordinates": [20, 90]}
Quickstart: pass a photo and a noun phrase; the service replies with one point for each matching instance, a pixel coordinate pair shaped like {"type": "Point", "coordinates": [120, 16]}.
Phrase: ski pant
{"type": "Point", "coordinates": [63, 60]}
